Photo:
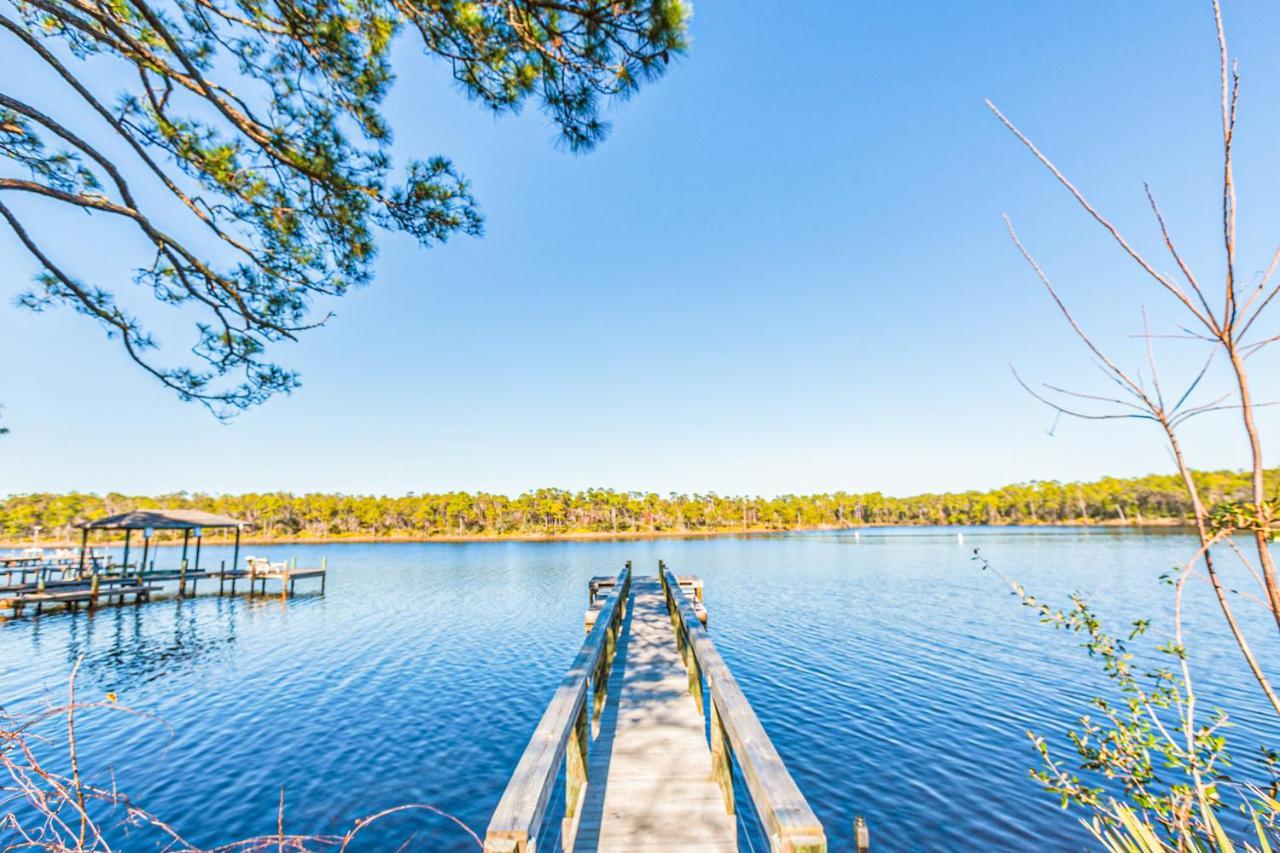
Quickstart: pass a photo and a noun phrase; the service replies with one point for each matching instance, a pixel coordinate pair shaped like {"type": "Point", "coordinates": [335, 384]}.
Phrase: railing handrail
{"type": "Point", "coordinates": [518, 818]}
{"type": "Point", "coordinates": [783, 810]}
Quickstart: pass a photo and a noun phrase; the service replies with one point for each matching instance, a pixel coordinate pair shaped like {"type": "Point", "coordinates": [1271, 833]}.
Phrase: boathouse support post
{"type": "Point", "coordinates": [186, 540]}
{"type": "Point", "coordinates": [84, 547]}
{"type": "Point", "coordinates": [222, 577]}
{"type": "Point", "coordinates": [124, 566]}
{"type": "Point", "coordinates": [235, 559]}
{"type": "Point", "coordinates": [196, 568]}
{"type": "Point", "coordinates": [182, 578]}
{"type": "Point", "coordinates": [146, 549]}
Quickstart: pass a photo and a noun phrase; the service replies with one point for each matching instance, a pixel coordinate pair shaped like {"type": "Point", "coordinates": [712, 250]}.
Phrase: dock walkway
{"type": "Point", "coordinates": [651, 749]}
{"type": "Point", "coordinates": [629, 723]}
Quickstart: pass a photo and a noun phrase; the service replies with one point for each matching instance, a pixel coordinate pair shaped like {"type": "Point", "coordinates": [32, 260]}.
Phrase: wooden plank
{"type": "Point", "coordinates": [103, 582]}
{"type": "Point", "coordinates": [73, 596]}
{"type": "Point", "coordinates": [658, 792]}
{"type": "Point", "coordinates": [788, 820]}
{"type": "Point", "coordinates": [519, 815]}
{"type": "Point", "coordinates": [651, 781]}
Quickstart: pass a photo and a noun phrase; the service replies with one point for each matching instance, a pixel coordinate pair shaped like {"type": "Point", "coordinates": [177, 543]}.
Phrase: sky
{"type": "Point", "coordinates": [785, 271]}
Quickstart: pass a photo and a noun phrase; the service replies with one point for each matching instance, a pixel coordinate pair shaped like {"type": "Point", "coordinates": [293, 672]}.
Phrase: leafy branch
{"type": "Point", "coordinates": [263, 122]}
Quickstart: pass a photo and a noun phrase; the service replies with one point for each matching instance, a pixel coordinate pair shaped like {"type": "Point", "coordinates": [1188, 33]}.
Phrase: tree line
{"type": "Point", "coordinates": [1139, 500]}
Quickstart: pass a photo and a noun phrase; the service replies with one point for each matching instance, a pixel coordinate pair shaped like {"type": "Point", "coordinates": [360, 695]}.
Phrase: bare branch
{"type": "Point", "coordinates": [1177, 257]}
{"type": "Point", "coordinates": [1071, 412]}
{"type": "Point", "coordinates": [1163, 280]}
{"type": "Point", "coordinates": [1119, 374]}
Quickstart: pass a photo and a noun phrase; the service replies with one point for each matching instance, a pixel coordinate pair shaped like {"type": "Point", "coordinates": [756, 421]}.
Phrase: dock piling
{"type": "Point", "coordinates": [861, 835]}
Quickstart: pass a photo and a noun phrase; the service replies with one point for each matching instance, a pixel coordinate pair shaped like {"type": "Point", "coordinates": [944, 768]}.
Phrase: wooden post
{"type": "Point", "coordinates": [575, 776]}
{"type": "Point", "coordinates": [84, 547]}
{"type": "Point", "coordinates": [124, 567]}
{"type": "Point", "coordinates": [186, 538]}
{"type": "Point", "coordinates": [93, 592]}
{"type": "Point", "coordinates": [721, 763]}
{"type": "Point", "coordinates": [235, 559]}
{"type": "Point", "coordinates": [182, 577]}
{"type": "Point", "coordinates": [695, 680]}
{"type": "Point", "coordinates": [861, 835]}
{"type": "Point", "coordinates": [222, 577]}
{"type": "Point", "coordinates": [146, 548]}
{"type": "Point", "coordinates": [600, 683]}
{"type": "Point", "coordinates": [324, 573]}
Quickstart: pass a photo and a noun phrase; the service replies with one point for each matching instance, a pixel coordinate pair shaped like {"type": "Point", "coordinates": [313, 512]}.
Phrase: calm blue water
{"type": "Point", "coordinates": [895, 677]}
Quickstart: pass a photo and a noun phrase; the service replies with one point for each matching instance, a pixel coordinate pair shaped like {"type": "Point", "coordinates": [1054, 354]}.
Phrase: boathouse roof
{"type": "Point", "coordinates": [162, 519]}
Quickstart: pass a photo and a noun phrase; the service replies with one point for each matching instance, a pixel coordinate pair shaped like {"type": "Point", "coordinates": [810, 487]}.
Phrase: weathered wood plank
{"type": "Point", "coordinates": [791, 825]}
{"type": "Point", "coordinates": [651, 754]}
{"type": "Point", "coordinates": [650, 780]}
{"type": "Point", "coordinates": [520, 813]}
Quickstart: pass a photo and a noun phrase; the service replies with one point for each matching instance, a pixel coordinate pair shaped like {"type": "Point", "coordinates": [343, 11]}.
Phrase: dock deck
{"type": "Point", "coordinates": [115, 583]}
{"type": "Point", "coordinates": [640, 774]}
{"type": "Point", "coordinates": [651, 750]}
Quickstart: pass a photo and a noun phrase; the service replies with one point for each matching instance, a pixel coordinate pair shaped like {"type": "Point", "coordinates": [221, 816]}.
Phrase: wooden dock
{"type": "Point", "coordinates": [658, 793]}
{"type": "Point", "coordinates": [639, 771]}
{"type": "Point", "coordinates": [113, 584]}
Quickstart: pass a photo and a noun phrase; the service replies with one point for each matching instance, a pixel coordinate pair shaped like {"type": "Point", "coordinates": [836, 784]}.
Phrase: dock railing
{"type": "Point", "coordinates": [562, 735]}
{"type": "Point", "coordinates": [736, 732]}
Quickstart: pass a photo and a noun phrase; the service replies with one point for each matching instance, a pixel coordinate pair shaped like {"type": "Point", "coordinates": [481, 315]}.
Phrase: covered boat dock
{"type": "Point", "coordinates": [90, 580]}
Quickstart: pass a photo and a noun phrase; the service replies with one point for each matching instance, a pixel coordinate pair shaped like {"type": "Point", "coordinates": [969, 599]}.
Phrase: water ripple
{"type": "Point", "coordinates": [896, 678]}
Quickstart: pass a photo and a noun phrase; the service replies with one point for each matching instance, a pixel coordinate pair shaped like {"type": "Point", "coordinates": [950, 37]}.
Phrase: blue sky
{"type": "Point", "coordinates": [785, 271]}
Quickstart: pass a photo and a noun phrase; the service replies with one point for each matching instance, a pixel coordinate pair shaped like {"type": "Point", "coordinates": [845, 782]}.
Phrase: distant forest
{"type": "Point", "coordinates": [551, 512]}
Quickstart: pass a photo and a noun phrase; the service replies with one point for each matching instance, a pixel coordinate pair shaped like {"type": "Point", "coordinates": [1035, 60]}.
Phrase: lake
{"type": "Point", "coordinates": [896, 678]}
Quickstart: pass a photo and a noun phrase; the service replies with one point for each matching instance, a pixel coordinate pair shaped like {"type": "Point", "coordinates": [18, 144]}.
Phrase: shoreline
{"type": "Point", "coordinates": [579, 536]}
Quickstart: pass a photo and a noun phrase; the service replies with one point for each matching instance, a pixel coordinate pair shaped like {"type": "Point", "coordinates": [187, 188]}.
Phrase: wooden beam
{"type": "Point", "coordinates": [789, 822]}
{"type": "Point", "coordinates": [519, 816]}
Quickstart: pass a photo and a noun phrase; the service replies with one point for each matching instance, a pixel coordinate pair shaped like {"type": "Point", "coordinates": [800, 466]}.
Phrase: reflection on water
{"type": "Point", "coordinates": [895, 677]}
{"type": "Point", "coordinates": [123, 647]}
